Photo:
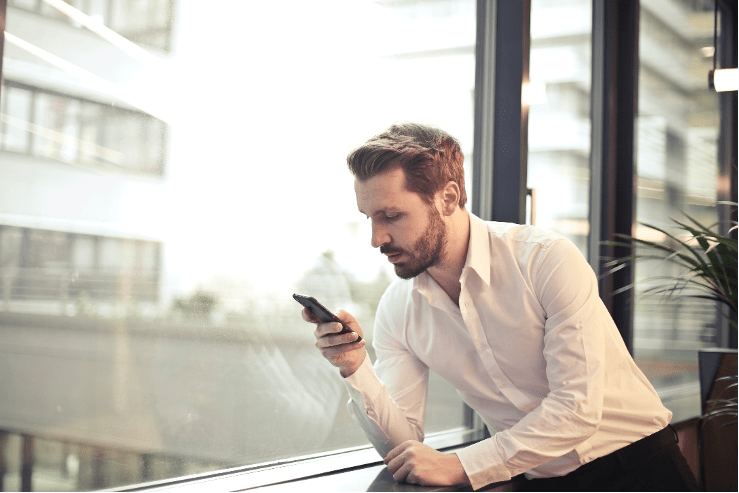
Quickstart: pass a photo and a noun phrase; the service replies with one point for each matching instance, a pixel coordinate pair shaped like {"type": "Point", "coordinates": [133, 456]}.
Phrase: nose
{"type": "Point", "coordinates": [380, 235]}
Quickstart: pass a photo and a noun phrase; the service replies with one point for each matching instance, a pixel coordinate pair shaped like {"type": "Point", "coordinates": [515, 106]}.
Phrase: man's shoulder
{"type": "Point", "coordinates": [533, 248]}
{"type": "Point", "coordinates": [520, 234]}
{"type": "Point", "coordinates": [401, 295]}
{"type": "Point", "coordinates": [399, 290]}
{"type": "Point", "coordinates": [520, 231]}
{"type": "Point", "coordinates": [394, 303]}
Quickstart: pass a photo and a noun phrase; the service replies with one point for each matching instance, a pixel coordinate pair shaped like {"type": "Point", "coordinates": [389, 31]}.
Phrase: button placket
{"type": "Point", "coordinates": [474, 327]}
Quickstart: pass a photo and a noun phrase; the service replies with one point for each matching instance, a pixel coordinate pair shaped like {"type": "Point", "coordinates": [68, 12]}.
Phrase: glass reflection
{"type": "Point", "coordinates": [677, 152]}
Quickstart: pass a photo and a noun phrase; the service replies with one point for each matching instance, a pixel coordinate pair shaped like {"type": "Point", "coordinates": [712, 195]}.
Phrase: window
{"type": "Point", "coordinates": [676, 141]}
{"type": "Point", "coordinates": [76, 131]}
{"type": "Point", "coordinates": [677, 135]}
{"type": "Point", "coordinates": [148, 22]}
{"type": "Point", "coordinates": [159, 336]}
{"type": "Point", "coordinates": [62, 273]}
{"type": "Point", "coordinates": [157, 212]}
{"type": "Point", "coordinates": [15, 119]}
{"type": "Point", "coordinates": [559, 116]}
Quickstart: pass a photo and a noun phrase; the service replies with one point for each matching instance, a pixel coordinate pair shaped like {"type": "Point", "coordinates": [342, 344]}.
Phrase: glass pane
{"type": "Point", "coordinates": [43, 265]}
{"type": "Point", "coordinates": [185, 219]}
{"type": "Point", "coordinates": [91, 150]}
{"type": "Point", "coordinates": [11, 240]}
{"type": "Point", "coordinates": [559, 116]}
{"type": "Point", "coordinates": [677, 134]}
{"type": "Point", "coordinates": [76, 131]}
{"type": "Point", "coordinates": [142, 20]}
{"type": "Point", "coordinates": [25, 4]}
{"type": "Point", "coordinates": [98, 10]}
{"type": "Point", "coordinates": [15, 118]}
{"type": "Point", "coordinates": [123, 131]}
{"type": "Point", "coordinates": [83, 252]}
{"type": "Point", "coordinates": [56, 118]}
{"type": "Point", "coordinates": [49, 11]}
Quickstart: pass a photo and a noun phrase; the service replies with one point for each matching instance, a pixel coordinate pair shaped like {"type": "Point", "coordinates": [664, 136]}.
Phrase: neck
{"type": "Point", "coordinates": [447, 273]}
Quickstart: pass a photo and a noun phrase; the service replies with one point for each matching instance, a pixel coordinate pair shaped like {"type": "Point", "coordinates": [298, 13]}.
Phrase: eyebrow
{"type": "Point", "coordinates": [384, 210]}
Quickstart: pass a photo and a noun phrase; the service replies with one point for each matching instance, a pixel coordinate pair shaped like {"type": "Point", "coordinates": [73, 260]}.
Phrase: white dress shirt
{"type": "Point", "coordinates": [531, 348]}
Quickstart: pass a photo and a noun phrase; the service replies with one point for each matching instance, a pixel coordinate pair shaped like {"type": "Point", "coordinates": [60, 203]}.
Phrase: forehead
{"type": "Point", "coordinates": [385, 191]}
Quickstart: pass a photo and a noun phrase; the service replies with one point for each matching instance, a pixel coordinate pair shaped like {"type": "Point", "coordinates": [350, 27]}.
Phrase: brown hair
{"type": "Point", "coordinates": [429, 157]}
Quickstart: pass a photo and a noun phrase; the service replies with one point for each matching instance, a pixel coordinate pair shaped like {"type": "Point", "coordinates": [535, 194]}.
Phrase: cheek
{"type": "Point", "coordinates": [406, 236]}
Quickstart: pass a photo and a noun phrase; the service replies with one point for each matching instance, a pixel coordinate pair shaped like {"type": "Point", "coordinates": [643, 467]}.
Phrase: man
{"type": "Point", "coordinates": [510, 316]}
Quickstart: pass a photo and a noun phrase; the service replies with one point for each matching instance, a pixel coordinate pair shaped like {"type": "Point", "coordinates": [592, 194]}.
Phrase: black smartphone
{"type": "Point", "coordinates": [322, 313]}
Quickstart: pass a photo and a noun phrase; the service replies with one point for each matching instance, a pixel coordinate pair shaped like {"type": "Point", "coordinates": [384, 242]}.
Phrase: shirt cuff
{"type": "Point", "coordinates": [480, 465]}
{"type": "Point", "coordinates": [363, 385]}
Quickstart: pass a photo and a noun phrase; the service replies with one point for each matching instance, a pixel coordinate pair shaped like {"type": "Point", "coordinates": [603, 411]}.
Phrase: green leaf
{"type": "Point", "coordinates": [706, 259]}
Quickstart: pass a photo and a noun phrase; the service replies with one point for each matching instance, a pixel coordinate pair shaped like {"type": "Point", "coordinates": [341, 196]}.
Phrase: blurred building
{"type": "Point", "coordinates": [81, 162]}
{"type": "Point", "coordinates": [676, 142]}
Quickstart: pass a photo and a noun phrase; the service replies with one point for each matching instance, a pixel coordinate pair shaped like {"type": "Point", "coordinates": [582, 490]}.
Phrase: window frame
{"type": "Point", "coordinates": [499, 180]}
{"type": "Point", "coordinates": [302, 467]}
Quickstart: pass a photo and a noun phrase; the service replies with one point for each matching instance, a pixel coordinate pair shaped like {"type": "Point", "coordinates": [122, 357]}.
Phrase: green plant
{"type": "Point", "coordinates": [706, 268]}
{"type": "Point", "coordinates": [725, 406]}
{"type": "Point", "coordinates": [706, 263]}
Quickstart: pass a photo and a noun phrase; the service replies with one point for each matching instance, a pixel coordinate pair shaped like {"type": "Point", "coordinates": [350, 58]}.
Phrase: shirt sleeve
{"type": "Point", "coordinates": [574, 352]}
{"type": "Point", "coordinates": [389, 401]}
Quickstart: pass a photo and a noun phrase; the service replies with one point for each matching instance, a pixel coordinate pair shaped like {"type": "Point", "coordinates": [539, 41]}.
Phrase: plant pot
{"type": "Point", "coordinates": [717, 434]}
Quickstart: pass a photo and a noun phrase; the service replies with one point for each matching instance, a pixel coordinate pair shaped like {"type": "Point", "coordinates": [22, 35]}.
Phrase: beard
{"type": "Point", "coordinates": [426, 252]}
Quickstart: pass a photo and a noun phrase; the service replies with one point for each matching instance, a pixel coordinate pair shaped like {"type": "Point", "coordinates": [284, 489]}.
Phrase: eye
{"type": "Point", "coordinates": [392, 217]}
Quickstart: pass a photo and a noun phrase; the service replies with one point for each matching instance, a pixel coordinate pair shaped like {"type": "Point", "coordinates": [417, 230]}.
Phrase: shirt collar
{"type": "Point", "coordinates": [478, 257]}
{"type": "Point", "coordinates": [478, 250]}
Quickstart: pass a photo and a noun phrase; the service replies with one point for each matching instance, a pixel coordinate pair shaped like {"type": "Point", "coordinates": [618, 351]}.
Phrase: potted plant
{"type": "Point", "coordinates": [705, 264]}
{"type": "Point", "coordinates": [706, 260]}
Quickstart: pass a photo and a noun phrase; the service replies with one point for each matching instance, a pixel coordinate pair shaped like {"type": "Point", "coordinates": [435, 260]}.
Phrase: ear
{"type": "Point", "coordinates": [450, 198]}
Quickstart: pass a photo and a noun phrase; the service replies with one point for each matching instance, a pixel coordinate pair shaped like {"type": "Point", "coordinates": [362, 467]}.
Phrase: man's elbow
{"type": "Point", "coordinates": [580, 417]}
{"type": "Point", "coordinates": [588, 420]}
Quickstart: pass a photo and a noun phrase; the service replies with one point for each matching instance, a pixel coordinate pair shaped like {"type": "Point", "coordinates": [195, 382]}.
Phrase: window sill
{"type": "Point", "coordinates": [359, 469]}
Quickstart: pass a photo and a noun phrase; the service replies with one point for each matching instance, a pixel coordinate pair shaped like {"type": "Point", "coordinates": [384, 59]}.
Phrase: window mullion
{"type": "Point", "coordinates": [613, 110]}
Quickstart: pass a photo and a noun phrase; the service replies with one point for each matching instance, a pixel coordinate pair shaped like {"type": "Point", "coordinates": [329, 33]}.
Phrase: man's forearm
{"type": "Point", "coordinates": [383, 422]}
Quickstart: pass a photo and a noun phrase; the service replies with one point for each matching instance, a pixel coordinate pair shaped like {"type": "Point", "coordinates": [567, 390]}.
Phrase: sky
{"type": "Point", "coordinates": [263, 108]}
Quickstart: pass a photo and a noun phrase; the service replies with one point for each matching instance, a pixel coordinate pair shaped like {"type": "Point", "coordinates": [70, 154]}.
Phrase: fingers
{"type": "Point", "coordinates": [394, 453]}
{"type": "Point", "coordinates": [344, 350]}
{"type": "Point", "coordinates": [333, 344]}
{"type": "Point", "coordinates": [323, 329]}
{"type": "Point", "coordinates": [308, 316]}
{"type": "Point", "coordinates": [327, 329]}
{"type": "Point", "coordinates": [398, 464]}
{"type": "Point", "coordinates": [347, 318]}
{"type": "Point", "coordinates": [416, 463]}
{"type": "Point", "coordinates": [397, 456]}
{"type": "Point", "coordinates": [338, 355]}
{"type": "Point", "coordinates": [332, 338]}
{"type": "Point", "coordinates": [405, 474]}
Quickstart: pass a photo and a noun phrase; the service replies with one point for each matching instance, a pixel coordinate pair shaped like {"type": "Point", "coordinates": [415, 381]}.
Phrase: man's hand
{"type": "Point", "coordinates": [416, 463]}
{"type": "Point", "coordinates": [341, 350]}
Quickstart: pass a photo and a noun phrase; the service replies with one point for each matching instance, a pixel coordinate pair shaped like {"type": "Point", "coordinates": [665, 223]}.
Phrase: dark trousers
{"type": "Point", "coordinates": [653, 463]}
